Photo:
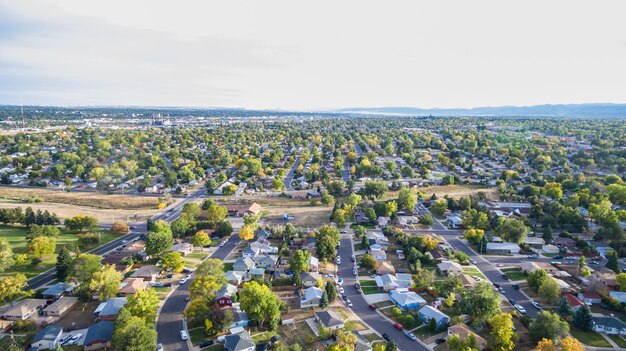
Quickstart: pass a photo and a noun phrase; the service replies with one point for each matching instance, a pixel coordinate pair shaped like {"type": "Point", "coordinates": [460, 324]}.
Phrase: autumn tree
{"type": "Point", "coordinates": [571, 344]}
{"type": "Point", "coordinates": [246, 233]}
{"type": "Point", "coordinates": [545, 345]}
{"type": "Point", "coordinates": [106, 282]}
{"type": "Point", "coordinates": [261, 304]}
{"type": "Point", "coordinates": [172, 261]}
{"type": "Point", "coordinates": [12, 287]}
{"type": "Point", "coordinates": [41, 246]}
{"type": "Point", "coordinates": [201, 239]}
{"type": "Point", "coordinates": [144, 304]}
{"type": "Point", "coordinates": [502, 332]}
{"type": "Point", "coordinates": [119, 227]}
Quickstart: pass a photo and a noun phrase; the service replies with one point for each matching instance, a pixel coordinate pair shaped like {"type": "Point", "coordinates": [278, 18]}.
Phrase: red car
{"type": "Point", "coordinates": [372, 307]}
{"type": "Point", "coordinates": [398, 326]}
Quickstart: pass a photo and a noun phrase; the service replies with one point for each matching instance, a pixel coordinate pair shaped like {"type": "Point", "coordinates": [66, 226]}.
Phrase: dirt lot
{"type": "Point", "coordinates": [305, 216]}
{"type": "Point", "coordinates": [81, 314]}
{"type": "Point", "coordinates": [66, 211]}
{"type": "Point", "coordinates": [454, 191]}
{"type": "Point", "coordinates": [90, 199]}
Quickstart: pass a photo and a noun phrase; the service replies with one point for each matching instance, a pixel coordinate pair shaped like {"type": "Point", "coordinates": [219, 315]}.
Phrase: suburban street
{"type": "Point", "coordinates": [170, 322]}
{"type": "Point", "coordinates": [289, 177]}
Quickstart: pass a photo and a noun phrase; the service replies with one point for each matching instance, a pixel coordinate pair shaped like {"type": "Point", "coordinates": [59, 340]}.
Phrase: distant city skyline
{"type": "Point", "coordinates": [319, 56]}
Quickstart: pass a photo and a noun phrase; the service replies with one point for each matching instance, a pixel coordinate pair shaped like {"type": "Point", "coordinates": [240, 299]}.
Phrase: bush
{"type": "Point", "coordinates": [36, 261]}
{"type": "Point", "coordinates": [88, 239]}
{"type": "Point", "coordinates": [408, 321]}
{"type": "Point", "coordinates": [396, 312]}
{"type": "Point", "coordinates": [119, 227]}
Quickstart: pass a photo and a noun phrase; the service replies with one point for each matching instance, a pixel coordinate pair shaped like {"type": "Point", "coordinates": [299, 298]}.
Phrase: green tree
{"type": "Point", "coordinates": [621, 280]}
{"type": "Point", "coordinates": [512, 229]}
{"type": "Point", "coordinates": [83, 268]}
{"type": "Point", "coordinates": [180, 227]}
{"type": "Point", "coordinates": [536, 278]}
{"type": "Point", "coordinates": [201, 239]}
{"type": "Point", "coordinates": [144, 304]}
{"type": "Point", "coordinates": [407, 199]}
{"type": "Point", "coordinates": [198, 309]}
{"type": "Point", "coordinates": [456, 344]}
{"type": "Point", "coordinates": [423, 278]}
{"type": "Point", "coordinates": [64, 262]}
{"type": "Point", "coordinates": [582, 318]}
{"type": "Point", "coordinates": [278, 184]}
{"type": "Point", "coordinates": [158, 242]}
{"type": "Point", "coordinates": [6, 255]}
{"type": "Point", "coordinates": [563, 308]}
{"type": "Point", "coordinates": [216, 213]}
{"type": "Point", "coordinates": [223, 228]}
{"type": "Point", "coordinates": [326, 242]}
{"type": "Point", "coordinates": [260, 303]}
{"type": "Point", "coordinates": [172, 261]}
{"type": "Point", "coordinates": [427, 220]}
{"type": "Point", "coordinates": [375, 188]}
{"type": "Point", "coordinates": [41, 246]}
{"type": "Point", "coordinates": [324, 300]}
{"type": "Point", "coordinates": [502, 332]}
{"type": "Point", "coordinates": [548, 326]}
{"type": "Point", "coordinates": [368, 261]}
{"type": "Point", "coordinates": [330, 291]}
{"type": "Point", "coordinates": [612, 261]}
{"type": "Point", "coordinates": [299, 262]}
{"type": "Point", "coordinates": [12, 287]}
{"type": "Point", "coordinates": [133, 334]}
{"type": "Point", "coordinates": [481, 302]}
{"type": "Point", "coordinates": [106, 282]}
{"type": "Point", "coordinates": [81, 223]}
{"type": "Point", "coordinates": [439, 207]}
{"type": "Point", "coordinates": [549, 290]}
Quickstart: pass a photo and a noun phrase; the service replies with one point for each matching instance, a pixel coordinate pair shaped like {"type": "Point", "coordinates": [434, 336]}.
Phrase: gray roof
{"type": "Point", "coordinates": [51, 333]}
{"type": "Point", "coordinates": [227, 290]}
{"type": "Point", "coordinates": [101, 331]}
{"type": "Point", "coordinates": [112, 306]}
{"type": "Point", "coordinates": [431, 312]}
{"type": "Point", "coordinates": [58, 289]}
{"type": "Point", "coordinates": [238, 342]}
{"type": "Point", "coordinates": [245, 261]}
{"type": "Point", "coordinates": [329, 318]}
{"type": "Point", "coordinates": [609, 322]}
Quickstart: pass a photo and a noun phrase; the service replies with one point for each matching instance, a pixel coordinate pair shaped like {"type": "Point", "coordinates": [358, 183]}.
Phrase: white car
{"type": "Point", "coordinates": [536, 305]}
{"type": "Point", "coordinates": [183, 335]}
{"type": "Point", "coordinates": [349, 303]}
{"type": "Point", "coordinates": [222, 243]}
{"type": "Point", "coordinates": [75, 338]}
{"type": "Point", "coordinates": [159, 347]}
{"type": "Point", "coordinates": [182, 281]}
{"type": "Point", "coordinates": [340, 281]}
{"type": "Point", "coordinates": [520, 308]}
{"type": "Point", "coordinates": [476, 278]}
{"type": "Point", "coordinates": [341, 291]}
{"type": "Point", "coordinates": [355, 272]}
{"type": "Point", "coordinates": [472, 261]}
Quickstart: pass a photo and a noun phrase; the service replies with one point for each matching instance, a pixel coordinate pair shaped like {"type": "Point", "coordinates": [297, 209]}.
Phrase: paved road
{"type": "Point", "coordinates": [169, 322]}
{"type": "Point", "coordinates": [289, 177]}
{"type": "Point", "coordinates": [360, 306]}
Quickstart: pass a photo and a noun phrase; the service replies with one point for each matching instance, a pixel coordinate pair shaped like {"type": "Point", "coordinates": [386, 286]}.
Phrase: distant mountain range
{"type": "Point", "coordinates": [570, 110]}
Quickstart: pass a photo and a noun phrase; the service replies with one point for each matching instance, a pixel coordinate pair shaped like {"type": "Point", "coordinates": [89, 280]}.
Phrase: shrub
{"type": "Point", "coordinates": [396, 312]}
{"type": "Point", "coordinates": [119, 227]}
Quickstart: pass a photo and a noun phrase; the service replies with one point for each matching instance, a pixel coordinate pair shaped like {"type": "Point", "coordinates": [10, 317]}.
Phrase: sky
{"type": "Point", "coordinates": [312, 55]}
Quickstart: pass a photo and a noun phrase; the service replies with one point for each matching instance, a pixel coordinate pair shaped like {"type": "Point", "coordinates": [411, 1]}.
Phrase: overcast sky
{"type": "Point", "coordinates": [312, 55]}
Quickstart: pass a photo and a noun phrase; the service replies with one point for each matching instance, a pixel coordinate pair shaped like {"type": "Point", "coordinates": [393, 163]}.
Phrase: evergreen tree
{"type": "Point", "coordinates": [612, 262]}
{"type": "Point", "coordinates": [64, 261]}
{"type": "Point", "coordinates": [563, 308]}
{"type": "Point", "coordinates": [331, 292]}
{"type": "Point", "coordinates": [582, 318]}
{"type": "Point", "coordinates": [29, 217]}
{"type": "Point", "coordinates": [324, 300]}
{"type": "Point", "coordinates": [547, 234]}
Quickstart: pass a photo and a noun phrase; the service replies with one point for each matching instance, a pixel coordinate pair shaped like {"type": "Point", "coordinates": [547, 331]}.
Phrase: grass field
{"type": "Point", "coordinates": [473, 271]}
{"type": "Point", "coordinates": [16, 238]}
{"type": "Point", "coordinates": [514, 274]}
{"type": "Point", "coordinates": [589, 337]}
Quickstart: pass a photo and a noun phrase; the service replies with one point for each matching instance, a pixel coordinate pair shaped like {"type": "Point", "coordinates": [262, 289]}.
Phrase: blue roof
{"type": "Point", "coordinates": [430, 312]}
{"type": "Point", "coordinates": [101, 331]}
{"type": "Point", "coordinates": [51, 332]}
{"type": "Point", "coordinates": [56, 289]}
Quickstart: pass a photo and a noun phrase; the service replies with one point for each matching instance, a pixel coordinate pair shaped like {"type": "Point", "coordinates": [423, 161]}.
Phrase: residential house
{"type": "Point", "coordinates": [47, 338]}
{"type": "Point", "coordinates": [224, 296]}
{"type": "Point", "coordinates": [183, 248]}
{"type": "Point", "coordinates": [361, 218]}
{"type": "Point", "coordinates": [531, 266]}
{"type": "Point", "coordinates": [503, 248]}
{"type": "Point", "coordinates": [314, 263]}
{"type": "Point", "coordinates": [311, 297]}
{"type": "Point", "coordinates": [385, 267]}
{"type": "Point", "coordinates": [426, 313]}
{"type": "Point", "coordinates": [24, 309]}
{"type": "Point", "coordinates": [534, 242]}
{"type": "Point", "coordinates": [330, 319]}
{"type": "Point", "coordinates": [148, 273]}
{"type": "Point", "coordinates": [60, 306]}
{"type": "Point", "coordinates": [250, 252]}
{"type": "Point", "coordinates": [405, 299]}
{"type": "Point", "coordinates": [243, 210]}
{"type": "Point", "coordinates": [239, 342]}
{"type": "Point", "coordinates": [383, 221]}
{"type": "Point", "coordinates": [463, 331]}
{"type": "Point", "coordinates": [454, 220]}
{"type": "Point", "coordinates": [240, 318]}
{"type": "Point", "coordinates": [235, 277]}
{"type": "Point", "coordinates": [603, 281]}
{"type": "Point", "coordinates": [262, 246]}
{"type": "Point", "coordinates": [243, 264]}
{"type": "Point", "coordinates": [379, 255]}
{"type": "Point", "coordinates": [109, 309]}
{"type": "Point", "coordinates": [57, 291]}
{"type": "Point", "coordinates": [404, 221]}
{"type": "Point", "coordinates": [132, 286]}
{"type": "Point", "coordinates": [386, 282]}
{"type": "Point", "coordinates": [362, 344]}
{"type": "Point", "coordinates": [564, 242]}
{"type": "Point", "coordinates": [404, 280]}
{"type": "Point", "coordinates": [449, 267]}
{"type": "Point", "coordinates": [468, 282]}
{"type": "Point", "coordinates": [574, 302]}
{"type": "Point", "coordinates": [589, 298]}
{"type": "Point", "coordinates": [256, 273]}
{"type": "Point", "coordinates": [378, 238]}
{"type": "Point", "coordinates": [265, 262]}
{"type": "Point", "coordinates": [609, 325]}
{"type": "Point", "coordinates": [618, 295]}
{"type": "Point", "coordinates": [309, 279]}
{"type": "Point", "coordinates": [99, 336]}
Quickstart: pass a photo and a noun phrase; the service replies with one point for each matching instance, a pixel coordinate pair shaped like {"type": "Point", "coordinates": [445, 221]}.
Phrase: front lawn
{"type": "Point", "coordinates": [228, 266]}
{"type": "Point", "coordinates": [368, 282]}
{"type": "Point", "coordinates": [589, 337]}
{"type": "Point", "coordinates": [197, 335]}
{"type": "Point", "coordinates": [369, 290]}
{"type": "Point", "coordinates": [618, 340]}
{"type": "Point", "coordinates": [473, 271]}
{"type": "Point", "coordinates": [198, 255]}
{"type": "Point", "coordinates": [514, 274]}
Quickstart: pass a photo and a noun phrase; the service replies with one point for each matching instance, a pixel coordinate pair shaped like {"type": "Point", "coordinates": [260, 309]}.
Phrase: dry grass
{"type": "Point", "coordinates": [88, 199]}
{"type": "Point", "coordinates": [305, 216]}
{"type": "Point", "coordinates": [454, 191]}
{"type": "Point", "coordinates": [66, 211]}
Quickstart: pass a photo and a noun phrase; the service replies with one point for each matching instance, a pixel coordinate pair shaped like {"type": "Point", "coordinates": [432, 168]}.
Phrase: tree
{"type": "Point", "coordinates": [427, 220]}
{"type": "Point", "coordinates": [547, 234]}
{"type": "Point", "coordinates": [198, 309]}
{"type": "Point", "coordinates": [190, 212]}
{"type": "Point", "coordinates": [456, 344]}
{"type": "Point", "coordinates": [157, 242]}
{"type": "Point", "coordinates": [423, 278]}
{"type": "Point", "coordinates": [548, 326]}
{"type": "Point", "coordinates": [12, 287]}
{"type": "Point", "coordinates": [571, 344]}
{"type": "Point", "coordinates": [330, 291]}
{"type": "Point", "coordinates": [502, 332]}
{"type": "Point", "coordinates": [172, 261]}
{"type": "Point", "coordinates": [374, 188]}
{"type": "Point", "coordinates": [260, 303]}
{"type": "Point", "coordinates": [81, 223]}
{"type": "Point", "coordinates": [106, 283]}
{"type": "Point", "coordinates": [180, 227]}
{"type": "Point", "coordinates": [545, 345]}
{"type": "Point", "coordinates": [206, 286]}
{"type": "Point", "coordinates": [299, 262]}
{"type": "Point", "coordinates": [354, 199]}
{"type": "Point", "coordinates": [83, 268]}
{"type": "Point", "coordinates": [64, 262]}
{"type": "Point", "coordinates": [326, 242]}
{"type": "Point", "coordinates": [536, 278]}
{"type": "Point", "coordinates": [201, 239]}
{"type": "Point", "coordinates": [246, 233]}
{"type": "Point", "coordinates": [41, 246]}
{"type": "Point", "coordinates": [144, 304]}
{"type": "Point", "coordinates": [211, 267]}
{"type": "Point", "coordinates": [119, 228]}
{"type": "Point", "coordinates": [481, 302]}
{"type": "Point", "coordinates": [512, 229]}
{"type": "Point", "coordinates": [251, 221]}
{"type": "Point", "coordinates": [432, 325]}
{"type": "Point", "coordinates": [216, 213]}
{"type": "Point", "coordinates": [582, 318]}
{"type": "Point", "coordinates": [368, 261]}
{"type": "Point", "coordinates": [277, 184]}
{"type": "Point", "coordinates": [391, 346]}
{"type": "Point", "coordinates": [612, 261]}
{"type": "Point", "coordinates": [621, 280]}
{"type": "Point", "coordinates": [223, 228]}
{"type": "Point", "coordinates": [6, 255]}
{"type": "Point", "coordinates": [563, 308]}
{"type": "Point", "coordinates": [439, 207]}
{"type": "Point", "coordinates": [474, 219]}
{"type": "Point", "coordinates": [407, 199]}
{"type": "Point", "coordinates": [327, 199]}
{"type": "Point", "coordinates": [133, 334]}
{"type": "Point", "coordinates": [550, 290]}
{"type": "Point", "coordinates": [324, 300]}
{"type": "Point", "coordinates": [474, 235]}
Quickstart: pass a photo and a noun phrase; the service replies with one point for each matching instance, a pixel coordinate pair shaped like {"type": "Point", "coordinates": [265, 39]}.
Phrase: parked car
{"type": "Point", "coordinates": [533, 255]}
{"type": "Point", "coordinates": [512, 302]}
{"type": "Point", "coordinates": [357, 285]}
{"type": "Point", "coordinates": [344, 297]}
{"type": "Point", "coordinates": [372, 307]}
{"type": "Point", "coordinates": [355, 272]}
{"type": "Point", "coordinates": [504, 276]}
{"type": "Point", "coordinates": [353, 258]}
{"type": "Point", "coordinates": [159, 347]}
{"type": "Point", "coordinates": [476, 278]}
{"type": "Point", "coordinates": [410, 336]}
{"type": "Point", "coordinates": [501, 290]}
{"type": "Point", "coordinates": [348, 302]}
{"type": "Point", "coordinates": [440, 341]}
{"type": "Point", "coordinates": [520, 308]}
{"type": "Point", "coordinates": [182, 281]}
{"type": "Point", "coordinates": [472, 261]}
{"type": "Point", "coordinates": [515, 286]}
{"type": "Point", "coordinates": [341, 290]}
{"type": "Point", "coordinates": [340, 281]}
{"type": "Point", "coordinates": [558, 257]}
{"type": "Point", "coordinates": [398, 326]}
{"type": "Point", "coordinates": [496, 285]}
{"type": "Point", "coordinates": [74, 339]}
{"type": "Point", "coordinates": [386, 337]}
{"type": "Point", "coordinates": [183, 335]}
{"type": "Point", "coordinates": [206, 343]}
{"type": "Point", "coordinates": [536, 305]}
{"type": "Point", "coordinates": [65, 339]}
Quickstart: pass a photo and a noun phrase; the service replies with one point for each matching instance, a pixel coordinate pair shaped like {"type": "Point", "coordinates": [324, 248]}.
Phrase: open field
{"type": "Point", "coordinates": [453, 191]}
{"type": "Point", "coordinates": [16, 238]}
{"type": "Point", "coordinates": [305, 216]}
{"type": "Point", "coordinates": [89, 199]}
{"type": "Point", "coordinates": [66, 211]}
